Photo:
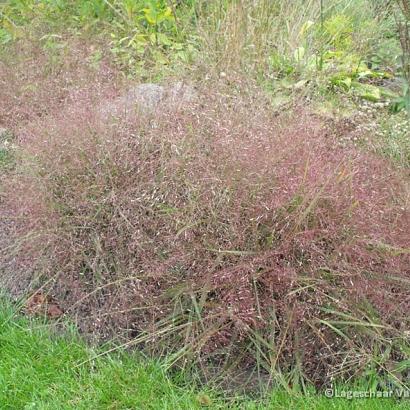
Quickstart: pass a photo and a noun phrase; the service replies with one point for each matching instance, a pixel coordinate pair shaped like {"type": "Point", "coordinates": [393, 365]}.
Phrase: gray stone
{"type": "Point", "coordinates": [146, 98]}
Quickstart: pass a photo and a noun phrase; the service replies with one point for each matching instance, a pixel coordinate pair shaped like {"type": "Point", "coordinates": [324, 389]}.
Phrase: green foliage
{"type": "Point", "coordinates": [338, 32]}
{"type": "Point", "coordinates": [5, 36]}
{"type": "Point", "coordinates": [298, 39]}
{"type": "Point", "coordinates": [4, 158]}
{"type": "Point", "coordinates": [403, 28]}
{"type": "Point", "coordinates": [141, 33]}
{"type": "Point", "coordinates": [93, 9]}
{"type": "Point", "coordinates": [358, 81]}
{"type": "Point", "coordinates": [148, 34]}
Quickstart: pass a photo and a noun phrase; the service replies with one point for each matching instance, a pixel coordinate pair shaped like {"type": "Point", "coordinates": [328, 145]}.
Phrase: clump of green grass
{"type": "Point", "coordinates": [5, 159]}
{"type": "Point", "coordinates": [6, 150]}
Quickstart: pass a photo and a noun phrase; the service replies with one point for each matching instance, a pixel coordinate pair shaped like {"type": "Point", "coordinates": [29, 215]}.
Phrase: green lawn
{"type": "Point", "coordinates": [40, 370]}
